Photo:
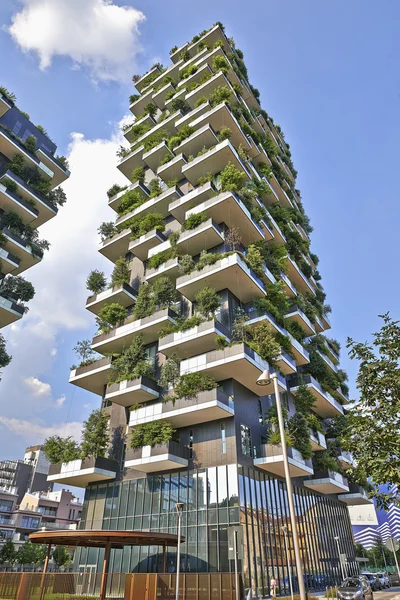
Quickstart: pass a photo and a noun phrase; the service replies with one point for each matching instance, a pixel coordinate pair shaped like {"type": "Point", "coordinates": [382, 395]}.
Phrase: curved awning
{"type": "Point", "coordinates": [103, 537]}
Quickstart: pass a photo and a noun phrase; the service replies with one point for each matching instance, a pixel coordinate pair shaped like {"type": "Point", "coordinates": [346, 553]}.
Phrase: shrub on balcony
{"type": "Point", "coordinates": [156, 138]}
{"type": "Point", "coordinates": [133, 98]}
{"type": "Point", "coordinates": [274, 436]}
{"type": "Point", "coordinates": [173, 49]}
{"type": "Point", "coordinates": [138, 130]}
{"type": "Point", "coordinates": [5, 358]}
{"type": "Point", "coordinates": [61, 450]}
{"type": "Point", "coordinates": [9, 95]}
{"type": "Point", "coordinates": [96, 282]}
{"type": "Point", "coordinates": [169, 371]}
{"type": "Point", "coordinates": [300, 433]}
{"type": "Point", "coordinates": [160, 258]}
{"type": "Point", "coordinates": [110, 316]}
{"type": "Point", "coordinates": [138, 174]}
{"type": "Point", "coordinates": [142, 224]}
{"type": "Point", "coordinates": [207, 302]}
{"type": "Point", "coordinates": [17, 288]}
{"type": "Point", "coordinates": [30, 143]}
{"type": "Point", "coordinates": [129, 201]}
{"type": "Point", "coordinates": [115, 189]}
{"type": "Point", "coordinates": [188, 71]}
{"type": "Point", "coordinates": [106, 230]}
{"type": "Point", "coordinates": [254, 260]}
{"type": "Point", "coordinates": [195, 220]}
{"type": "Point", "coordinates": [323, 461]}
{"type": "Point", "coordinates": [200, 101]}
{"type": "Point", "coordinates": [205, 179]}
{"type": "Point", "coordinates": [221, 94]}
{"type": "Point", "coordinates": [179, 104]}
{"type": "Point", "coordinates": [231, 179]}
{"type": "Point", "coordinates": [151, 434]}
{"type": "Point", "coordinates": [132, 363]}
{"type": "Point", "coordinates": [84, 351]}
{"type": "Point", "coordinates": [220, 64]}
{"type": "Point", "coordinates": [273, 256]}
{"type": "Point", "coordinates": [155, 187]}
{"type": "Point", "coordinates": [186, 263]}
{"type": "Point", "coordinates": [150, 109]}
{"type": "Point", "coordinates": [191, 384]}
{"type": "Point", "coordinates": [182, 134]}
{"type": "Point", "coordinates": [163, 292]}
{"type": "Point", "coordinates": [262, 340]}
{"type": "Point", "coordinates": [95, 438]}
{"type": "Point", "coordinates": [224, 133]}
{"type": "Point", "coordinates": [121, 273]}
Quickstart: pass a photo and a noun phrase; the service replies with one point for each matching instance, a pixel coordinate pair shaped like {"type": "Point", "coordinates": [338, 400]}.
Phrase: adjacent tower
{"type": "Point", "coordinates": [30, 175]}
{"type": "Point", "coordinates": [213, 281]}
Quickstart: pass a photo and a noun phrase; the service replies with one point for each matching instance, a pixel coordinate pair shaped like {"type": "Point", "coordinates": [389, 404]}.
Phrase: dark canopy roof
{"type": "Point", "coordinates": [101, 538]}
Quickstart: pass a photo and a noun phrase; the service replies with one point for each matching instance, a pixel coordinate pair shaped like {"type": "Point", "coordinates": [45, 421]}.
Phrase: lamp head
{"type": "Point", "coordinates": [264, 379]}
{"type": "Point", "coordinates": [179, 507]}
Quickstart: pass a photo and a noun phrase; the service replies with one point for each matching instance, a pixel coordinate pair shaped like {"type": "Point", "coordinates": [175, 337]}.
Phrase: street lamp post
{"type": "Point", "coordinates": [289, 564]}
{"type": "Point", "coordinates": [265, 379]}
{"type": "Point", "coordinates": [179, 509]}
{"type": "Point", "coordinates": [341, 564]}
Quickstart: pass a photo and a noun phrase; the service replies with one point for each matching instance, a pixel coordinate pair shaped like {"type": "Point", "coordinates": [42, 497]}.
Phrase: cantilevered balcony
{"type": "Point", "coordinates": [297, 277]}
{"type": "Point", "coordinates": [318, 441]}
{"type": "Point", "coordinates": [168, 125]}
{"type": "Point", "coordinates": [229, 209]}
{"type": "Point", "coordinates": [296, 315]}
{"type": "Point", "coordinates": [214, 162]}
{"type": "Point", "coordinates": [288, 286]}
{"type": "Point", "coordinates": [299, 353]}
{"type": "Point", "coordinates": [129, 162]}
{"type": "Point", "coordinates": [203, 137]}
{"type": "Point", "coordinates": [138, 187]}
{"type": "Point", "coordinates": [121, 337]}
{"type": "Point", "coordinates": [171, 71]}
{"type": "Point", "coordinates": [328, 361]}
{"type": "Point", "coordinates": [137, 107]}
{"type": "Point", "coordinates": [134, 391]}
{"type": "Point", "coordinates": [10, 146]}
{"type": "Point", "coordinates": [194, 113]}
{"type": "Point", "coordinates": [162, 457]}
{"type": "Point", "coordinates": [123, 294]}
{"type": "Point", "coordinates": [160, 95]}
{"type": "Point", "coordinates": [147, 121]}
{"type": "Point", "coordinates": [9, 311]}
{"type": "Point", "coordinates": [269, 457]}
{"type": "Point", "coordinates": [207, 88]}
{"type": "Point", "coordinates": [158, 204]}
{"type": "Point", "coordinates": [209, 39]}
{"type": "Point", "coordinates": [356, 496]}
{"type": "Point", "coordinates": [81, 472]}
{"type": "Point", "coordinates": [237, 362]}
{"type": "Point", "coordinates": [116, 246]}
{"type": "Point", "coordinates": [230, 273]}
{"type": "Point", "coordinates": [171, 268]}
{"type": "Point", "coordinates": [325, 405]}
{"type": "Point", "coordinates": [204, 407]}
{"type": "Point", "coordinates": [92, 377]}
{"type": "Point", "coordinates": [21, 201]}
{"type": "Point", "coordinates": [172, 170]}
{"type": "Point", "coordinates": [333, 355]}
{"type": "Point", "coordinates": [9, 262]}
{"type": "Point", "coordinates": [156, 155]}
{"type": "Point", "coordinates": [344, 397]}
{"type": "Point", "coordinates": [148, 78]}
{"type": "Point", "coordinates": [218, 117]}
{"type": "Point", "coordinates": [200, 338]}
{"type": "Point", "coordinates": [5, 104]}
{"type": "Point", "coordinates": [344, 458]}
{"type": "Point", "coordinates": [280, 192]}
{"type": "Point", "coordinates": [60, 173]}
{"type": "Point", "coordinates": [202, 72]}
{"type": "Point", "coordinates": [203, 237]}
{"type": "Point", "coordinates": [327, 482]}
{"type": "Point", "coordinates": [28, 254]}
{"type": "Point", "coordinates": [181, 205]}
{"type": "Point", "coordinates": [140, 246]}
{"type": "Point", "coordinates": [286, 364]}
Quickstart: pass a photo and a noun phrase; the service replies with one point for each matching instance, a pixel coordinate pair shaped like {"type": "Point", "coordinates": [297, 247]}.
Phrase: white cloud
{"type": "Point", "coordinates": [57, 312]}
{"type": "Point", "coordinates": [33, 431]}
{"type": "Point", "coordinates": [95, 34]}
{"type": "Point", "coordinates": [37, 387]}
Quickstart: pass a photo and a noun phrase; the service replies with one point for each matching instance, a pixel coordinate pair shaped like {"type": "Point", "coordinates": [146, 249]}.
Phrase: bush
{"type": "Point", "coordinates": [254, 260]}
{"type": "Point", "coordinates": [231, 179]}
{"type": "Point", "coordinates": [106, 230]}
{"type": "Point", "coordinates": [150, 434]}
{"type": "Point", "coordinates": [200, 101]}
{"type": "Point", "coordinates": [17, 286]}
{"type": "Point", "coordinates": [195, 220]}
{"type": "Point", "coordinates": [121, 273]}
{"type": "Point", "coordinates": [224, 134]}
{"type": "Point", "coordinates": [264, 342]}
{"type": "Point", "coordinates": [186, 263]}
{"type": "Point", "coordinates": [169, 371]}
{"type": "Point", "coordinates": [129, 201]}
{"type": "Point", "coordinates": [30, 143]}
{"type": "Point", "coordinates": [144, 305]}
{"type": "Point", "coordinates": [59, 450]}
{"type": "Point", "coordinates": [142, 224]}
{"type": "Point", "coordinates": [5, 358]}
{"type": "Point", "coordinates": [163, 292]}
{"type": "Point", "coordinates": [160, 258]}
{"type": "Point", "coordinates": [150, 109]}
{"type": "Point", "coordinates": [188, 71]}
{"type": "Point", "coordinates": [95, 435]}
{"type": "Point", "coordinates": [219, 95]}
{"type": "Point", "coordinates": [115, 189]}
{"type": "Point", "coordinates": [111, 315]}
{"type": "Point", "coordinates": [138, 174]}
{"type": "Point", "coordinates": [182, 134]}
{"type": "Point", "coordinates": [155, 187]}
{"type": "Point", "coordinates": [220, 64]}
{"type": "Point", "coordinates": [131, 363]}
{"type": "Point", "coordinates": [191, 384]}
{"type": "Point", "coordinates": [179, 104]}
{"type": "Point", "coordinates": [96, 282]}
{"type": "Point", "coordinates": [156, 138]}
{"type": "Point", "coordinates": [208, 302]}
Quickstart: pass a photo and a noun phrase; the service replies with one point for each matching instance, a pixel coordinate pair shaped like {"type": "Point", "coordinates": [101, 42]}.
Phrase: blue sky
{"type": "Point", "coordinates": [328, 74]}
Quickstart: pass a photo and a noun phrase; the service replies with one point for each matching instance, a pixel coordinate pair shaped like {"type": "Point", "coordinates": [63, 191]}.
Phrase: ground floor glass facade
{"type": "Point", "coordinates": [216, 500]}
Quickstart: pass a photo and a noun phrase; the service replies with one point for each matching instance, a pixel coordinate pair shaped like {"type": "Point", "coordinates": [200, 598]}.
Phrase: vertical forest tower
{"type": "Point", "coordinates": [213, 282]}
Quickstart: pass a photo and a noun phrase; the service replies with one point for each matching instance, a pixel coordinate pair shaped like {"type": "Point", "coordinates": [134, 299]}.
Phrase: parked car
{"type": "Point", "coordinates": [355, 588]}
{"type": "Point", "coordinates": [384, 579]}
{"type": "Point", "coordinates": [373, 580]}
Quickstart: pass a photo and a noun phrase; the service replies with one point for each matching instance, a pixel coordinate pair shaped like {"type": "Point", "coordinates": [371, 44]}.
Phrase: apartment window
{"type": "Point", "coordinates": [260, 412]}
{"type": "Point", "coordinates": [223, 438]}
{"type": "Point", "coordinates": [191, 442]}
{"type": "Point", "coordinates": [29, 523]}
{"type": "Point", "coordinates": [71, 515]}
{"type": "Point", "coordinates": [245, 437]}
{"type": "Point", "coordinates": [17, 127]}
{"type": "Point", "coordinates": [6, 505]}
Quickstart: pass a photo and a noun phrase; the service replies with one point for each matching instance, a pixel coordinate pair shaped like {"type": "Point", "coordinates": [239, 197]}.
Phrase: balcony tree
{"type": "Point", "coordinates": [373, 433]}
{"type": "Point", "coordinates": [131, 363]}
{"type": "Point", "coordinates": [8, 553]}
{"type": "Point", "coordinates": [84, 350]}
{"type": "Point", "coordinates": [164, 292]}
{"type": "Point", "coordinates": [59, 450]}
{"type": "Point", "coordinates": [208, 302]}
{"type": "Point", "coordinates": [61, 557]}
{"type": "Point", "coordinates": [150, 434]}
{"type": "Point", "coordinates": [96, 282]}
{"type": "Point", "coordinates": [95, 435]}
{"type": "Point", "coordinates": [111, 315]}
{"type": "Point", "coordinates": [121, 273]}
{"type": "Point", "coordinates": [5, 358]}
{"type": "Point", "coordinates": [17, 287]}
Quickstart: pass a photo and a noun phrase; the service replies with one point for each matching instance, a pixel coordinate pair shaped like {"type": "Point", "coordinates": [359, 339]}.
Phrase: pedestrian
{"type": "Point", "coordinates": [272, 584]}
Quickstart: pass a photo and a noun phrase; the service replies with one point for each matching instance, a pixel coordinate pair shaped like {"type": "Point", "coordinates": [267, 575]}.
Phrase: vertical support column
{"type": "Point", "coordinates": [104, 573]}
{"type": "Point", "coordinates": [43, 578]}
{"type": "Point", "coordinates": [164, 560]}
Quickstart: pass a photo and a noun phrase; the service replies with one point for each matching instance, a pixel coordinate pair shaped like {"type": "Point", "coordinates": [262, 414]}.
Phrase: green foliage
{"type": "Point", "coordinates": [16, 287]}
{"type": "Point", "coordinates": [61, 557]}
{"type": "Point", "coordinates": [138, 174]}
{"type": "Point", "coordinates": [156, 138]}
{"type": "Point", "coordinates": [121, 273]}
{"type": "Point", "coordinates": [96, 282]}
{"type": "Point", "coordinates": [131, 363]}
{"type": "Point", "coordinates": [262, 340]}
{"type": "Point", "coordinates": [106, 230]}
{"type": "Point", "coordinates": [323, 461]}
{"type": "Point", "coordinates": [188, 71]}
{"type": "Point", "coordinates": [224, 133]}
{"type": "Point", "coordinates": [142, 224]}
{"type": "Point", "coordinates": [151, 108]}
{"type": "Point", "coordinates": [30, 143]}
{"type": "Point", "coordinates": [299, 431]}
{"type": "Point", "coordinates": [220, 64]}
{"type": "Point", "coordinates": [155, 187]}
{"type": "Point", "coordinates": [182, 324]}
{"type": "Point", "coordinates": [150, 434]}
{"type": "Point", "coordinates": [130, 200]}
{"type": "Point", "coordinates": [255, 260]}
{"type": "Point", "coordinates": [182, 134]}
{"type": "Point", "coordinates": [9, 95]}
{"type": "Point", "coordinates": [220, 94]}
{"type": "Point", "coordinates": [231, 179]}
{"type": "Point", "coordinates": [194, 220]}
{"type": "Point", "coordinates": [274, 436]}
{"type": "Point", "coordinates": [186, 263]}
{"type": "Point", "coordinates": [8, 553]}
{"type": "Point", "coordinates": [207, 302]}
{"type": "Point", "coordinates": [160, 258]}
{"type": "Point", "coordinates": [110, 316]}
{"type": "Point", "coordinates": [273, 256]}
{"type": "Point", "coordinates": [95, 435]}
{"type": "Point", "coordinates": [29, 554]}
{"type": "Point", "coordinates": [5, 358]}
{"type": "Point", "coordinates": [191, 384]}
{"type": "Point", "coordinates": [164, 292]}
{"type": "Point", "coordinates": [205, 179]}
{"type": "Point", "coordinates": [200, 101]}
{"type": "Point", "coordinates": [169, 371]}
{"type": "Point", "coordinates": [179, 104]}
{"type": "Point", "coordinates": [144, 305]}
{"type": "Point", "coordinates": [84, 350]}
{"type": "Point", "coordinates": [59, 450]}
{"type": "Point", "coordinates": [220, 342]}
